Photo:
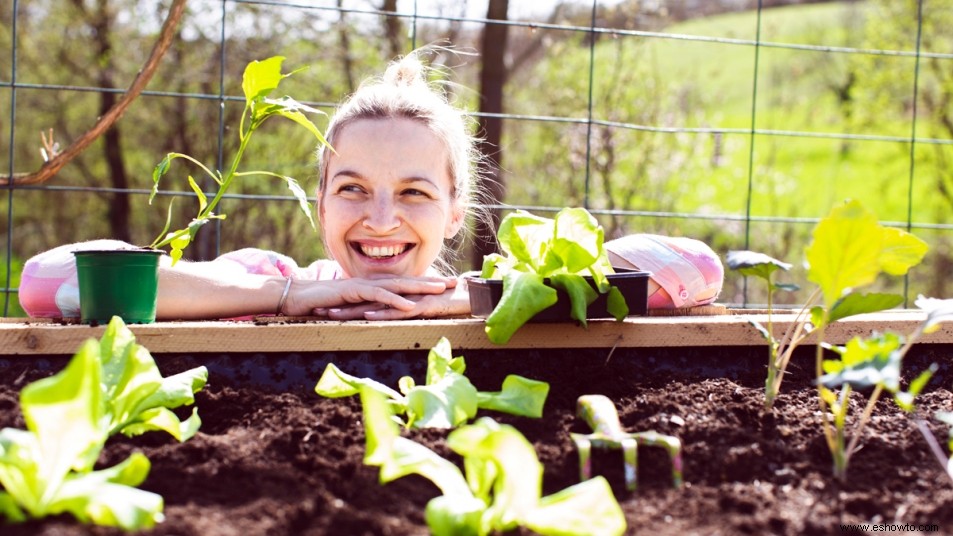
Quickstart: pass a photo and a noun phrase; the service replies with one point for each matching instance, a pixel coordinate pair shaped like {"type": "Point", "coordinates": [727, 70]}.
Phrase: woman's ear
{"type": "Point", "coordinates": [319, 207]}
{"type": "Point", "coordinates": [455, 223]}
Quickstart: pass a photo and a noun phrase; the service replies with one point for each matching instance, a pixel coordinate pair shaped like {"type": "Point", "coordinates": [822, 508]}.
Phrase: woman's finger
{"type": "Point", "coordinates": [447, 281]}
{"type": "Point", "coordinates": [354, 312]}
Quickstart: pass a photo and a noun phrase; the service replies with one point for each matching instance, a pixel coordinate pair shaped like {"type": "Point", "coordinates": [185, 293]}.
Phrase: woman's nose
{"type": "Point", "coordinates": [382, 216]}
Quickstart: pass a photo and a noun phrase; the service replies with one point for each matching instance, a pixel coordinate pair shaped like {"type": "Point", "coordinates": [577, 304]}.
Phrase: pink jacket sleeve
{"type": "Point", "coordinates": [49, 286]}
{"type": "Point", "coordinates": [48, 283]}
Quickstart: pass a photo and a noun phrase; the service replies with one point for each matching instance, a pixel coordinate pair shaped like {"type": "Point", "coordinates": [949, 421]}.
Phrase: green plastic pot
{"type": "Point", "coordinates": [119, 283]}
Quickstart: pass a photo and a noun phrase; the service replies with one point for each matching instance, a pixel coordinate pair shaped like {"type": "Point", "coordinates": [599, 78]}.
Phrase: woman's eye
{"type": "Point", "coordinates": [350, 188]}
{"type": "Point", "coordinates": [415, 192]}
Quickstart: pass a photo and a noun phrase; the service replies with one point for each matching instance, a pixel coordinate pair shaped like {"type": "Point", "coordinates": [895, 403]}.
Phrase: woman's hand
{"type": "Point", "coordinates": [454, 301]}
{"type": "Point", "coordinates": [337, 298]}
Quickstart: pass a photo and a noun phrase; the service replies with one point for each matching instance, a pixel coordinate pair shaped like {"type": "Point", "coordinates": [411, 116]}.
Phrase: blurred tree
{"type": "Point", "coordinates": [393, 28]}
{"type": "Point", "coordinates": [101, 20]}
{"type": "Point", "coordinates": [492, 80]}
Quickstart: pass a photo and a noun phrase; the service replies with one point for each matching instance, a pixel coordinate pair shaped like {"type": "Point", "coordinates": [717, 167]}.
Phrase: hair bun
{"type": "Point", "coordinates": [408, 71]}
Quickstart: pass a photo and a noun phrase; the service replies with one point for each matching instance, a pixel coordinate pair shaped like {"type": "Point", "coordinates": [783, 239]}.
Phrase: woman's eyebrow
{"type": "Point", "coordinates": [347, 173]}
{"type": "Point", "coordinates": [413, 179]}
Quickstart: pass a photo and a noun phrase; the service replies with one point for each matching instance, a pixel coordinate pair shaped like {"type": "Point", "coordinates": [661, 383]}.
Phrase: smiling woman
{"type": "Point", "coordinates": [398, 183]}
{"type": "Point", "coordinates": [395, 187]}
{"type": "Point", "coordinates": [389, 188]}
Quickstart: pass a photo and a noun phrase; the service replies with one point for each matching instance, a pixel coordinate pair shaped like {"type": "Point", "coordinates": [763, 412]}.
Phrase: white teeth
{"type": "Point", "coordinates": [385, 251]}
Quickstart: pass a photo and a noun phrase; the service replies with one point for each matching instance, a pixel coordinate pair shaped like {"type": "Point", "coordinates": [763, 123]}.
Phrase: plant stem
{"type": "Point", "coordinates": [770, 390]}
{"type": "Point", "coordinates": [864, 417]}
{"type": "Point", "coordinates": [227, 178]}
{"type": "Point", "coordinates": [819, 370]}
{"type": "Point", "coordinates": [935, 447]}
{"type": "Point", "coordinates": [840, 455]}
{"type": "Point", "coordinates": [793, 337]}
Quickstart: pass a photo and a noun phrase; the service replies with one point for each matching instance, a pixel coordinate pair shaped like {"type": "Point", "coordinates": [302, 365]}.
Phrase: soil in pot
{"type": "Point", "coordinates": [272, 457]}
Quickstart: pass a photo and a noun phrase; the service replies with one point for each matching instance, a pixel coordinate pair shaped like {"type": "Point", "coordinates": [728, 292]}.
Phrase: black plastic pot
{"type": "Point", "coordinates": [633, 284]}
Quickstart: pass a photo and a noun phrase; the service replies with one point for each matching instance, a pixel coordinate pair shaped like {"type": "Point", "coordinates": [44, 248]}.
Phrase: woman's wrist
{"type": "Point", "coordinates": [284, 297]}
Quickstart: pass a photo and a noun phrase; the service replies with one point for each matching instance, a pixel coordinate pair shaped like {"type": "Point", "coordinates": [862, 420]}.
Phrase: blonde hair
{"type": "Point", "coordinates": [405, 91]}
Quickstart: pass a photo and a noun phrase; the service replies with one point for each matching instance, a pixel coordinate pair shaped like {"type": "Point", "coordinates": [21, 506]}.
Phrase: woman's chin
{"type": "Point", "coordinates": [369, 267]}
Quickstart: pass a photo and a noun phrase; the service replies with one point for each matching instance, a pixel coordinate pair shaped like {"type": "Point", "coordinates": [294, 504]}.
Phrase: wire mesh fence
{"type": "Point", "coordinates": [740, 123]}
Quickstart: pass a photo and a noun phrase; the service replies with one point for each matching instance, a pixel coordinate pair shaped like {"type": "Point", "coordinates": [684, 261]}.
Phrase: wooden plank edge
{"type": "Point", "coordinates": [50, 338]}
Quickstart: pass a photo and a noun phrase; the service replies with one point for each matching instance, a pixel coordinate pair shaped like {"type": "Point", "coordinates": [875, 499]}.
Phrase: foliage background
{"type": "Point", "coordinates": [717, 120]}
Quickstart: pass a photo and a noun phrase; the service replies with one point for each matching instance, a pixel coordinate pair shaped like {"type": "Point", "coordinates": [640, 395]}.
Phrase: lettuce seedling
{"type": "Point", "coordinates": [448, 398]}
{"type": "Point", "coordinates": [46, 469]}
{"type": "Point", "coordinates": [110, 386]}
{"type": "Point", "coordinates": [137, 398]}
{"type": "Point", "coordinates": [542, 255]}
{"type": "Point", "coordinates": [259, 80]}
{"type": "Point", "coordinates": [848, 251]}
{"type": "Point", "coordinates": [502, 489]}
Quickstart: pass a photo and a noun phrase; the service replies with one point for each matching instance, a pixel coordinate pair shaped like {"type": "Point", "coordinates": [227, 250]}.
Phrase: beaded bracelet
{"type": "Point", "coordinates": [284, 296]}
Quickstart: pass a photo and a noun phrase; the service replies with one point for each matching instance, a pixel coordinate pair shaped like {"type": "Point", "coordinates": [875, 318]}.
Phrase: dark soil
{"type": "Point", "coordinates": [272, 457]}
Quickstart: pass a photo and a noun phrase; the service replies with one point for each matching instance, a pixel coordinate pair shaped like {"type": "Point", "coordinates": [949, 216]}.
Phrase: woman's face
{"type": "Point", "coordinates": [387, 203]}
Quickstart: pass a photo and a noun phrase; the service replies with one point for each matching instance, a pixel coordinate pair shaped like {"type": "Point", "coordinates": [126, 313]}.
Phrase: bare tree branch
{"type": "Point", "coordinates": [536, 44]}
{"type": "Point", "coordinates": [56, 162]}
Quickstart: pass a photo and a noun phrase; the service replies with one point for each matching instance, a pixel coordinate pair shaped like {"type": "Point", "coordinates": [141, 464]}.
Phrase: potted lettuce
{"type": "Point", "coordinates": [552, 270]}
{"type": "Point", "coordinates": [124, 282]}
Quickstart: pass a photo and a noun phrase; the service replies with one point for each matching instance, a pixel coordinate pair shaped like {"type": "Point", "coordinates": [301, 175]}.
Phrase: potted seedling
{"type": "Point", "coordinates": [124, 282]}
{"type": "Point", "coordinates": [552, 270]}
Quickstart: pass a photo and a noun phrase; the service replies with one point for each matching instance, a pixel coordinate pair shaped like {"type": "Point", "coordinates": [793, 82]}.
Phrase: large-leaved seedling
{"type": "Point", "coordinates": [502, 489]}
{"type": "Point", "coordinates": [848, 251]}
{"type": "Point", "coordinates": [259, 80]}
{"type": "Point", "coordinates": [447, 399]}
{"type": "Point", "coordinates": [47, 469]}
{"type": "Point", "coordinates": [872, 362]}
{"type": "Point", "coordinates": [109, 386]}
{"type": "Point", "coordinates": [541, 255]}
{"type": "Point", "coordinates": [136, 397]}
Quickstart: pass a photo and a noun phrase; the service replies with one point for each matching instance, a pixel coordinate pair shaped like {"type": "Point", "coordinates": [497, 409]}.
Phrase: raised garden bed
{"type": "Point", "coordinates": [272, 457]}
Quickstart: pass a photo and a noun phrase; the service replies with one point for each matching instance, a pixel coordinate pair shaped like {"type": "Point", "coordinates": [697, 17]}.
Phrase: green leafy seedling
{"type": "Point", "coordinates": [109, 386]}
{"type": "Point", "coordinates": [447, 399]}
{"type": "Point", "coordinates": [502, 489]}
{"type": "Point", "coordinates": [865, 363]}
{"type": "Point", "coordinates": [137, 397]}
{"type": "Point", "coordinates": [849, 249]}
{"type": "Point", "coordinates": [752, 264]}
{"type": "Point", "coordinates": [259, 81]}
{"type": "Point", "coordinates": [542, 255]}
{"type": "Point", "coordinates": [873, 362]}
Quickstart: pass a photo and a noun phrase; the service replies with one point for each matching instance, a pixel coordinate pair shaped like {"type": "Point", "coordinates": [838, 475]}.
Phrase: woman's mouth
{"type": "Point", "coordinates": [381, 252]}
